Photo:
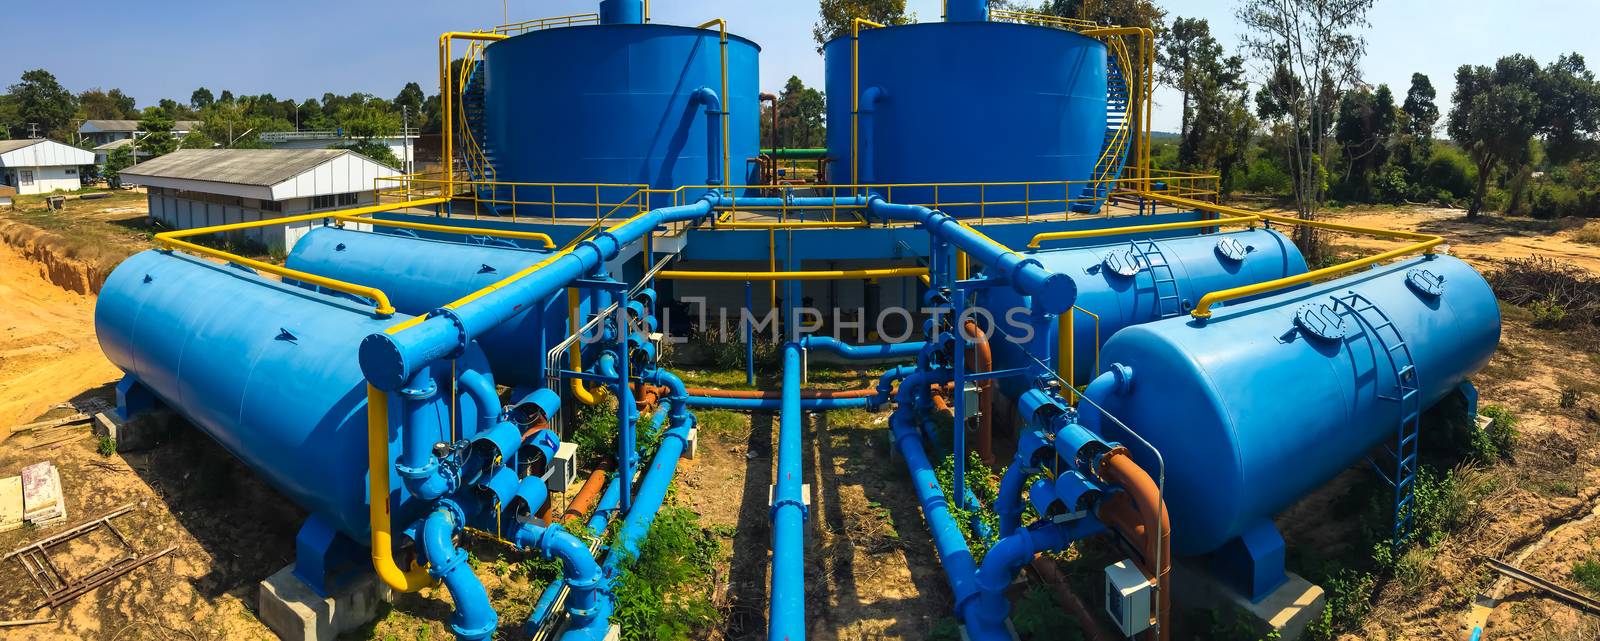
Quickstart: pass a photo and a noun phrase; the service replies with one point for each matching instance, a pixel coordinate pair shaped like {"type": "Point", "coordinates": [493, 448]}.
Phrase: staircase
{"type": "Point", "coordinates": [1119, 131]}
{"type": "Point", "coordinates": [1403, 451]}
{"type": "Point", "coordinates": [474, 153]}
{"type": "Point", "coordinates": [1148, 254]}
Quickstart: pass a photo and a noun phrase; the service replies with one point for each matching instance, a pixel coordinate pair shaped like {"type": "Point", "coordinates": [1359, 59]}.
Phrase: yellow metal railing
{"type": "Point", "coordinates": [558, 199]}
{"type": "Point", "coordinates": [552, 22]}
{"type": "Point", "coordinates": [1066, 346]}
{"type": "Point", "coordinates": [1041, 20]}
{"type": "Point", "coordinates": [1248, 221]}
{"type": "Point", "coordinates": [816, 274]}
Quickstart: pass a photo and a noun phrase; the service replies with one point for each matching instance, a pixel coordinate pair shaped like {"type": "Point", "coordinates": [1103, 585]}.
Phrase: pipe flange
{"type": "Point", "coordinates": [480, 632]}
{"type": "Point", "coordinates": [461, 331]}
{"type": "Point", "coordinates": [417, 473]}
{"type": "Point", "coordinates": [805, 512]}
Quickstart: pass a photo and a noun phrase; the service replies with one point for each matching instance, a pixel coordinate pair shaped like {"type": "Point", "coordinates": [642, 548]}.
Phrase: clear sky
{"type": "Point", "coordinates": [301, 48]}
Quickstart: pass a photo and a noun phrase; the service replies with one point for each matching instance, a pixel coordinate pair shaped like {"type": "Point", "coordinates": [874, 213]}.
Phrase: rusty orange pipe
{"type": "Point", "coordinates": [586, 495]}
{"type": "Point", "coordinates": [983, 360]}
{"type": "Point", "coordinates": [1118, 467]}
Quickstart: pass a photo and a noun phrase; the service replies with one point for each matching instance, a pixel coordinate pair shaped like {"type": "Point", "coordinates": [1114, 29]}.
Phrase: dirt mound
{"type": "Point", "coordinates": [48, 351]}
{"type": "Point", "coordinates": [56, 260]}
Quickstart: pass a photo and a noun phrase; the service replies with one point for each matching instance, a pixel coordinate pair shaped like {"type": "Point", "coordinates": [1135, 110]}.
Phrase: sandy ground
{"type": "Point", "coordinates": [48, 351]}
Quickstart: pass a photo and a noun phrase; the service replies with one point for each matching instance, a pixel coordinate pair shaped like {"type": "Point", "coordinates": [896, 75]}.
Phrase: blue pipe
{"type": "Point", "coordinates": [713, 104]}
{"type": "Point", "coordinates": [786, 621]}
{"type": "Point", "coordinates": [388, 360]}
{"type": "Point", "coordinates": [954, 555]}
{"type": "Point", "coordinates": [417, 466]}
{"type": "Point", "coordinates": [862, 352]}
{"type": "Point", "coordinates": [1000, 566]}
{"type": "Point", "coordinates": [886, 384]}
{"type": "Point", "coordinates": [635, 527]}
{"type": "Point", "coordinates": [1053, 292]}
{"type": "Point", "coordinates": [621, 12]}
{"type": "Point", "coordinates": [867, 115]}
{"type": "Point", "coordinates": [579, 570]}
{"type": "Point", "coordinates": [481, 390]}
{"type": "Point", "coordinates": [474, 618]}
{"type": "Point", "coordinates": [775, 404]}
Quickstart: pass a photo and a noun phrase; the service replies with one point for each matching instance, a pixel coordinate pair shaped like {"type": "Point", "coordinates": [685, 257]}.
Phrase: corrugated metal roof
{"type": "Point", "coordinates": [13, 145]}
{"type": "Point", "coordinates": [261, 167]}
{"type": "Point", "coordinates": [120, 142]}
{"type": "Point", "coordinates": [89, 126]}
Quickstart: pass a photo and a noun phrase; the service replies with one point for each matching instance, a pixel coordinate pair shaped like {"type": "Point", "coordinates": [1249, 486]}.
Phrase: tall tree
{"type": "Point", "coordinates": [155, 133]}
{"type": "Point", "coordinates": [838, 15]}
{"type": "Point", "coordinates": [1312, 48]}
{"type": "Point", "coordinates": [800, 116]}
{"type": "Point", "coordinates": [42, 102]}
{"type": "Point", "coordinates": [1122, 13]}
{"type": "Point", "coordinates": [95, 104]}
{"type": "Point", "coordinates": [1220, 130]}
{"type": "Point", "coordinates": [1494, 115]}
{"type": "Point", "coordinates": [1365, 129]}
{"type": "Point", "coordinates": [1570, 108]}
{"type": "Point", "coordinates": [1188, 40]}
{"type": "Point", "coordinates": [1418, 117]}
{"type": "Point", "coordinates": [201, 98]}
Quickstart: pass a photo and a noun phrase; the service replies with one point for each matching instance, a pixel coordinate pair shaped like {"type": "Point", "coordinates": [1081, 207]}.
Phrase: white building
{"type": "Point", "coordinates": [403, 145]}
{"type": "Point", "coordinates": [107, 131]}
{"type": "Point", "coordinates": [40, 166]}
{"type": "Point", "coordinates": [202, 187]}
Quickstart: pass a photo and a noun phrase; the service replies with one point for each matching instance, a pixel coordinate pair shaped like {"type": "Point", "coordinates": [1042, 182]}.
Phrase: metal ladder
{"type": "Point", "coordinates": [1148, 253]}
{"type": "Point", "coordinates": [478, 155]}
{"type": "Point", "coordinates": [1409, 397]}
{"type": "Point", "coordinates": [1114, 146]}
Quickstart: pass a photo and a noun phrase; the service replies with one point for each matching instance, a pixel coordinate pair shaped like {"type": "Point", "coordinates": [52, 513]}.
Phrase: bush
{"type": "Point", "coordinates": [1449, 174]}
{"type": "Point", "coordinates": [1264, 176]}
{"type": "Point", "coordinates": [1349, 599]}
{"type": "Point", "coordinates": [1499, 440]}
{"type": "Point", "coordinates": [1559, 294]}
{"type": "Point", "coordinates": [595, 432]}
{"type": "Point", "coordinates": [665, 594]}
{"type": "Point", "coordinates": [985, 488]}
{"type": "Point", "coordinates": [1587, 574]}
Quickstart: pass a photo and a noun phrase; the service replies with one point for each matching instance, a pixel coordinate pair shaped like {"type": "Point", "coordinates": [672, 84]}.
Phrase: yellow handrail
{"type": "Point", "coordinates": [447, 139]}
{"type": "Point", "coordinates": [855, 94]}
{"type": "Point", "coordinates": [382, 307]}
{"type": "Point", "coordinates": [378, 500]}
{"type": "Point", "coordinates": [1141, 229]}
{"type": "Point", "coordinates": [1202, 309]}
{"type": "Point", "coordinates": [727, 106]}
{"type": "Point", "coordinates": [821, 274]}
{"type": "Point", "coordinates": [549, 243]}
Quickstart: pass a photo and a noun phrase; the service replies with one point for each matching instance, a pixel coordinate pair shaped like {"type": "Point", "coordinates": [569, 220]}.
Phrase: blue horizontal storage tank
{"type": "Point", "coordinates": [969, 102]}
{"type": "Point", "coordinates": [421, 275]}
{"type": "Point", "coordinates": [268, 370]}
{"type": "Point", "coordinates": [1126, 284]}
{"type": "Point", "coordinates": [1271, 398]}
{"type": "Point", "coordinates": [615, 103]}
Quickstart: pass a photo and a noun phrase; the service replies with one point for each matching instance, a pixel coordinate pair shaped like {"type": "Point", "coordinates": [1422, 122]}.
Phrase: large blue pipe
{"type": "Point", "coordinates": [635, 527]}
{"type": "Point", "coordinates": [579, 571]}
{"type": "Point", "coordinates": [1052, 292]}
{"type": "Point", "coordinates": [862, 352]}
{"type": "Point", "coordinates": [389, 359]}
{"type": "Point", "coordinates": [787, 621]}
{"type": "Point", "coordinates": [474, 618]}
{"type": "Point", "coordinates": [707, 98]}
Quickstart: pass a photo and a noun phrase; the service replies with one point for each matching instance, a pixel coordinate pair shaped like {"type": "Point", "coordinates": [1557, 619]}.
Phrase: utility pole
{"type": "Point", "coordinates": [33, 130]}
{"type": "Point", "coordinates": [405, 136]}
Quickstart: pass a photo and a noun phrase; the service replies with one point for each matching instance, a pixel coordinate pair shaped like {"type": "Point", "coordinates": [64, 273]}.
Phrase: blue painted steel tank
{"type": "Point", "coordinates": [1117, 284]}
{"type": "Point", "coordinates": [969, 102]}
{"type": "Point", "coordinates": [615, 103]}
{"type": "Point", "coordinates": [421, 275]}
{"type": "Point", "coordinates": [1254, 409]}
{"type": "Point", "coordinates": [269, 370]}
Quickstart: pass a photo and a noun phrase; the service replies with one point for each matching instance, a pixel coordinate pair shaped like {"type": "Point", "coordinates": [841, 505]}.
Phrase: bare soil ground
{"type": "Point", "coordinates": [871, 567]}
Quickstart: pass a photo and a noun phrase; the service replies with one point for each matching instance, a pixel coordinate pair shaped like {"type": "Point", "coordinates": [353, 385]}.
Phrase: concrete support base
{"type": "Point", "coordinates": [692, 443]}
{"type": "Point", "coordinates": [1012, 630]}
{"type": "Point", "coordinates": [1286, 610]}
{"type": "Point", "coordinates": [141, 431]}
{"type": "Point", "coordinates": [295, 613]}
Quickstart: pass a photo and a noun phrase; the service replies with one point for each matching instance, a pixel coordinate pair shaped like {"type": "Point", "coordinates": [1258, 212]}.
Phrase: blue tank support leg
{"type": "Point", "coordinates": [133, 398]}
{"type": "Point", "coordinates": [326, 560]}
{"type": "Point", "coordinates": [1252, 563]}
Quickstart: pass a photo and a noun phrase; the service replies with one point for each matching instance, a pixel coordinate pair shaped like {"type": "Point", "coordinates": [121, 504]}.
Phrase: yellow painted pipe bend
{"type": "Point", "coordinates": [383, 561]}
{"type": "Point", "coordinates": [579, 390]}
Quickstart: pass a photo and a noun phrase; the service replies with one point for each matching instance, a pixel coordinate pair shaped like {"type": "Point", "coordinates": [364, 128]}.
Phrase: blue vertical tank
{"type": "Point", "coordinates": [1271, 398]}
{"type": "Point", "coordinates": [269, 370]}
{"type": "Point", "coordinates": [1138, 281]}
{"type": "Point", "coordinates": [620, 102]}
{"type": "Point", "coordinates": [968, 100]}
{"type": "Point", "coordinates": [420, 275]}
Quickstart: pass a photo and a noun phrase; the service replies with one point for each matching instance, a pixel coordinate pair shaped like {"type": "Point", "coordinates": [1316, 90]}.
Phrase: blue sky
{"type": "Point", "coordinates": [300, 49]}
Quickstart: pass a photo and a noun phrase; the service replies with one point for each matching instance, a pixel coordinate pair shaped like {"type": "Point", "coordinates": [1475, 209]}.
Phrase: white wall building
{"type": "Point", "coordinates": [40, 166]}
{"type": "Point", "coordinates": [403, 145]}
{"type": "Point", "coordinates": [107, 131]}
{"type": "Point", "coordinates": [202, 187]}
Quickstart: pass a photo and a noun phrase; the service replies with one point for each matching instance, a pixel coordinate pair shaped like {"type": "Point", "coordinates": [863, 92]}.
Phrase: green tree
{"type": "Point", "coordinates": [1188, 40]}
{"type": "Point", "coordinates": [1366, 126]}
{"type": "Point", "coordinates": [155, 137]}
{"type": "Point", "coordinates": [226, 96]}
{"type": "Point", "coordinates": [43, 102]}
{"type": "Point", "coordinates": [411, 97]}
{"type": "Point", "coordinates": [96, 104]}
{"type": "Point", "coordinates": [1494, 116]}
{"type": "Point", "coordinates": [1569, 101]}
{"type": "Point", "coordinates": [372, 149]}
{"type": "Point", "coordinates": [838, 15]}
{"type": "Point", "coordinates": [201, 98]}
{"type": "Point", "coordinates": [117, 160]}
{"type": "Point", "coordinates": [1313, 48]}
{"type": "Point", "coordinates": [1414, 143]}
{"type": "Point", "coordinates": [1219, 133]}
{"type": "Point", "coordinates": [800, 116]}
{"type": "Point", "coordinates": [1122, 13]}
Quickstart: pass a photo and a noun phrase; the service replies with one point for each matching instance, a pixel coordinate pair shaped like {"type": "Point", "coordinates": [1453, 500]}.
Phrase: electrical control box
{"type": "Point", "coordinates": [1129, 595]}
{"type": "Point", "coordinates": [969, 400]}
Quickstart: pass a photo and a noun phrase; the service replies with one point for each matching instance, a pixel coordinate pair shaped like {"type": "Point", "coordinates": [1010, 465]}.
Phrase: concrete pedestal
{"type": "Point", "coordinates": [295, 613]}
{"type": "Point", "coordinates": [1287, 610]}
{"type": "Point", "coordinates": [141, 431]}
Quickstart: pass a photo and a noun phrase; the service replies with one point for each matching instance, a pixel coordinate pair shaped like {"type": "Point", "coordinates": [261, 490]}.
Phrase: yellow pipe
{"type": "Point", "coordinates": [722, 28]}
{"type": "Point", "coordinates": [447, 229]}
{"type": "Point", "coordinates": [1140, 229]}
{"type": "Point", "coordinates": [380, 300]}
{"type": "Point", "coordinates": [855, 94]}
{"type": "Point", "coordinates": [445, 90]}
{"type": "Point", "coordinates": [579, 390]}
{"type": "Point", "coordinates": [1203, 308]}
{"type": "Point", "coordinates": [268, 222]}
{"type": "Point", "coordinates": [378, 503]}
{"type": "Point", "coordinates": [1064, 350]}
{"type": "Point", "coordinates": [824, 274]}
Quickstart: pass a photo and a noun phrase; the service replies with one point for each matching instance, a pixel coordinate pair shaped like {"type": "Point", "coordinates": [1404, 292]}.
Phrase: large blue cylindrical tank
{"type": "Point", "coordinates": [1252, 410]}
{"type": "Point", "coordinates": [1124, 284]}
{"type": "Point", "coordinates": [614, 103]}
{"type": "Point", "coordinates": [268, 370]}
{"type": "Point", "coordinates": [969, 102]}
{"type": "Point", "coordinates": [420, 275]}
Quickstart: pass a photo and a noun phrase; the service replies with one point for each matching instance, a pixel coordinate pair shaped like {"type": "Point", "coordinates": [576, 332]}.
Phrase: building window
{"type": "Point", "coordinates": [346, 200]}
{"type": "Point", "coordinates": [72, 172]}
{"type": "Point", "coordinates": [271, 205]}
{"type": "Point", "coordinates": [333, 200]}
{"type": "Point", "coordinates": [27, 177]}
